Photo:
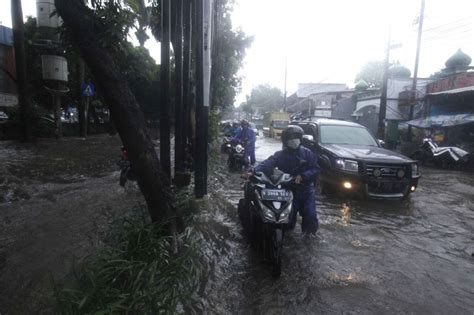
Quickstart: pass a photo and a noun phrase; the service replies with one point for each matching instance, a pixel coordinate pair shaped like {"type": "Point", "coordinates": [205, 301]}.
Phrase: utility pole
{"type": "Point", "coordinates": [20, 62]}
{"type": "Point", "coordinates": [286, 74]}
{"type": "Point", "coordinates": [165, 88]}
{"type": "Point", "coordinates": [178, 121]}
{"type": "Point", "coordinates": [415, 72]}
{"type": "Point", "coordinates": [203, 65]}
{"type": "Point", "coordinates": [187, 31]}
{"type": "Point", "coordinates": [383, 97]}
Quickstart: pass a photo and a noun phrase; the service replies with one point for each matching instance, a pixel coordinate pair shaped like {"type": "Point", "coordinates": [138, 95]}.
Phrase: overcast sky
{"type": "Point", "coordinates": [330, 40]}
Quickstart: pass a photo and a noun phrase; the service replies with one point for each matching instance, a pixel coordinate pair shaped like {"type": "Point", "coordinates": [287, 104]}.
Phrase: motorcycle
{"type": "Point", "coordinates": [226, 146]}
{"type": "Point", "coordinates": [126, 171]}
{"type": "Point", "coordinates": [266, 213]}
{"type": "Point", "coordinates": [445, 157]}
{"type": "Point", "coordinates": [237, 158]}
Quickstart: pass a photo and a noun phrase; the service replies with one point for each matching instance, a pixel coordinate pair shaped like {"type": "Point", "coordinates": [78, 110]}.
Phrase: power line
{"type": "Point", "coordinates": [448, 24]}
{"type": "Point", "coordinates": [465, 34]}
{"type": "Point", "coordinates": [451, 31]}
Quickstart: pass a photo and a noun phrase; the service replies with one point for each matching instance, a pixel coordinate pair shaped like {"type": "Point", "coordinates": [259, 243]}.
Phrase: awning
{"type": "Point", "coordinates": [442, 120]}
{"type": "Point", "coordinates": [454, 91]}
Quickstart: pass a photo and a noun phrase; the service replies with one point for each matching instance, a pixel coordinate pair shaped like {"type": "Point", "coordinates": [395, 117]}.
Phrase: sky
{"type": "Point", "coordinates": [328, 41]}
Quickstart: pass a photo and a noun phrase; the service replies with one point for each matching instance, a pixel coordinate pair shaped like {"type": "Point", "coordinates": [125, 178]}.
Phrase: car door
{"type": "Point", "coordinates": [324, 157]}
{"type": "Point", "coordinates": [308, 131]}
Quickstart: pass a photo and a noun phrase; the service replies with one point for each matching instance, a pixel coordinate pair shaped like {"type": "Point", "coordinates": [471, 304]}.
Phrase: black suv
{"type": "Point", "coordinates": [353, 161]}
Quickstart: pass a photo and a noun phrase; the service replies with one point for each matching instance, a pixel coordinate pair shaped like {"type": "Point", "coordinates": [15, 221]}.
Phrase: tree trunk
{"type": "Point", "coordinates": [58, 132]}
{"type": "Point", "coordinates": [81, 70]}
{"type": "Point", "coordinates": [20, 61]}
{"type": "Point", "coordinates": [125, 111]}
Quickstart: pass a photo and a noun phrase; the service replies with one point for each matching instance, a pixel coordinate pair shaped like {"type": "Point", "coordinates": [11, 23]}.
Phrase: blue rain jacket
{"type": "Point", "coordinates": [301, 161]}
{"type": "Point", "coordinates": [247, 136]}
{"type": "Point", "coordinates": [292, 162]}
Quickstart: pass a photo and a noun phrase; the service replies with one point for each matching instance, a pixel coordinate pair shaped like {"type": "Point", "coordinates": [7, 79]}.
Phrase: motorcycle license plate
{"type": "Point", "coordinates": [275, 194]}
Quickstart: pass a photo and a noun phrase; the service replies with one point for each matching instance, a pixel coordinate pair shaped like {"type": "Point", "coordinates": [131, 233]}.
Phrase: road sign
{"type": "Point", "coordinates": [88, 89]}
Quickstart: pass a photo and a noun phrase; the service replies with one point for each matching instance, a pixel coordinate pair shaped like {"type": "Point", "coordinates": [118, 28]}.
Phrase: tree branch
{"type": "Point", "coordinates": [9, 74]}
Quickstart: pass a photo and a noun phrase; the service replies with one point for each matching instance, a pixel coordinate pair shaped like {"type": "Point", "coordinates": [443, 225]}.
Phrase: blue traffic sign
{"type": "Point", "coordinates": [88, 89]}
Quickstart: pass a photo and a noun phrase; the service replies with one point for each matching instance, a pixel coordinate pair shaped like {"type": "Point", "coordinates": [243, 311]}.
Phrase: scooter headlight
{"type": "Point", "coordinates": [239, 148]}
{"type": "Point", "coordinates": [268, 214]}
{"type": "Point", "coordinates": [285, 215]}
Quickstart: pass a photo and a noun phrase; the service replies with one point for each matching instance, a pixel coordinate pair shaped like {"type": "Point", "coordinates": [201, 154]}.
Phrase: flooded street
{"type": "Point", "coordinates": [369, 257]}
{"type": "Point", "coordinates": [58, 198]}
{"type": "Point", "coordinates": [414, 256]}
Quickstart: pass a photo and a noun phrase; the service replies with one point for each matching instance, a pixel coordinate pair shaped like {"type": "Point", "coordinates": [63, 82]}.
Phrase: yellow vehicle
{"type": "Point", "coordinates": [274, 123]}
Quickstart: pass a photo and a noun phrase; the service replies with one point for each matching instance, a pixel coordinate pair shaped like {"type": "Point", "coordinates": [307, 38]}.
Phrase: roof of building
{"type": "Point", "coordinates": [455, 91]}
{"type": "Point", "coordinates": [459, 59]}
{"type": "Point", "coordinates": [307, 89]}
{"type": "Point", "coordinates": [6, 36]}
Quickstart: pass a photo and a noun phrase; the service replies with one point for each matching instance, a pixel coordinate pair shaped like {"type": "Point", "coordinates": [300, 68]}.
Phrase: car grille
{"type": "Point", "coordinates": [379, 171]}
{"type": "Point", "coordinates": [386, 187]}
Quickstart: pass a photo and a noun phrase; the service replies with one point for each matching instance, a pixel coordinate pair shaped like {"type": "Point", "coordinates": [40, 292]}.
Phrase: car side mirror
{"type": "Point", "coordinates": [381, 142]}
{"type": "Point", "coordinates": [309, 138]}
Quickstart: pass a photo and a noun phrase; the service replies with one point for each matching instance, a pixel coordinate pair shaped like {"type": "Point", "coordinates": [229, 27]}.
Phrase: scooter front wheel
{"type": "Point", "coordinates": [123, 177]}
{"type": "Point", "coordinates": [277, 241]}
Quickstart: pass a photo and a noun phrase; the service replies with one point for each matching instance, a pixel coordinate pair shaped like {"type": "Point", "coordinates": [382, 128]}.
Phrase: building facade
{"type": "Point", "coordinates": [318, 99]}
{"type": "Point", "coordinates": [8, 91]}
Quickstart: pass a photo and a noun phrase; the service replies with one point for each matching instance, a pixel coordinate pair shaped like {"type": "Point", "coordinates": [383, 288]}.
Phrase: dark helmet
{"type": "Point", "coordinates": [291, 132]}
{"type": "Point", "coordinates": [244, 123]}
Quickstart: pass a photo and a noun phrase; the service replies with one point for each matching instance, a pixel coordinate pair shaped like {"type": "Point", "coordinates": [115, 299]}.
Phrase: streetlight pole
{"type": "Point", "coordinates": [383, 97]}
{"type": "Point", "coordinates": [203, 71]}
{"type": "Point", "coordinates": [415, 72]}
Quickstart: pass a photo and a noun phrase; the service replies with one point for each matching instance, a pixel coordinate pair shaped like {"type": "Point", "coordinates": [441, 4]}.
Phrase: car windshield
{"type": "Point", "coordinates": [281, 124]}
{"type": "Point", "coordinates": [346, 135]}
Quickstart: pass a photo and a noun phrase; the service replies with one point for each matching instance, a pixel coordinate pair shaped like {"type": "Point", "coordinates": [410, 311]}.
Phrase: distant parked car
{"type": "Point", "coordinates": [353, 161]}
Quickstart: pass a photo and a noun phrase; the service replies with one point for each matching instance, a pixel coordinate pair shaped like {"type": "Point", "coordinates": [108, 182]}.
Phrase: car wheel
{"type": "Point", "coordinates": [322, 188]}
{"type": "Point", "coordinates": [419, 156]}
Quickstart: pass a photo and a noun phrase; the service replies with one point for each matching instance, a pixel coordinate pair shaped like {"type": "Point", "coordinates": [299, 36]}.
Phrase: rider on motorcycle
{"type": "Point", "coordinates": [235, 129]}
{"type": "Point", "coordinates": [301, 163]}
{"type": "Point", "coordinates": [248, 138]}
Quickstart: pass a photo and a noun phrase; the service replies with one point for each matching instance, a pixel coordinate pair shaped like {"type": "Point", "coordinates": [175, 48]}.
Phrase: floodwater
{"type": "Point", "coordinates": [414, 256]}
{"type": "Point", "coordinates": [59, 198]}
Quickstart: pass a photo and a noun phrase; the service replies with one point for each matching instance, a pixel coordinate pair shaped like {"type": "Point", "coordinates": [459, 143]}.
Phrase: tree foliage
{"type": "Point", "coordinates": [141, 72]}
{"type": "Point", "coordinates": [228, 52]}
{"type": "Point", "coordinates": [398, 71]}
{"type": "Point", "coordinates": [263, 98]}
{"type": "Point", "coordinates": [372, 74]}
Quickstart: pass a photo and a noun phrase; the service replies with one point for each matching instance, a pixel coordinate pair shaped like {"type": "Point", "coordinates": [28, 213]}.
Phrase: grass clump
{"type": "Point", "coordinates": [138, 274]}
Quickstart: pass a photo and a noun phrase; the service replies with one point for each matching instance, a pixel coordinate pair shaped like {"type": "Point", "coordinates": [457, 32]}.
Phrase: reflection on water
{"type": "Point", "coordinates": [346, 214]}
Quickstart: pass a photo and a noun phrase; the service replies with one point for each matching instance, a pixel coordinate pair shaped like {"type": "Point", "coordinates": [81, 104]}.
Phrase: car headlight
{"type": "Point", "coordinates": [415, 170]}
{"type": "Point", "coordinates": [347, 165]}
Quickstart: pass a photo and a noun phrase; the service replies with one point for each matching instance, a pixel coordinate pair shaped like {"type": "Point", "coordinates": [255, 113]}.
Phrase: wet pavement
{"type": "Point", "coordinates": [413, 256]}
